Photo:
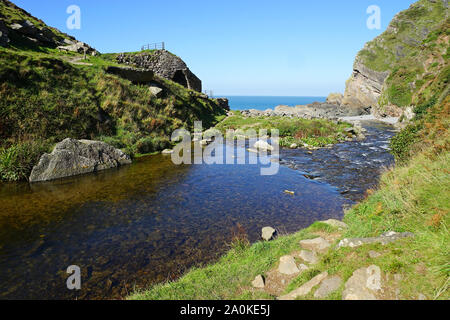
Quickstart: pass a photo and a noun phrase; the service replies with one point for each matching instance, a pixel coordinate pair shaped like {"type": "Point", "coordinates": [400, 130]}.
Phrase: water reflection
{"type": "Point", "coordinates": [144, 223]}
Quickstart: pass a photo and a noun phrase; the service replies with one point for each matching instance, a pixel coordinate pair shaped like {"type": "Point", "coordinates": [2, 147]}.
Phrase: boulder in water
{"type": "Point", "coordinates": [74, 157]}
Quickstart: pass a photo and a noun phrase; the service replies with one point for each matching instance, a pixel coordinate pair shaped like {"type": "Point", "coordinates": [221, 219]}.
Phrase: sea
{"type": "Point", "coordinates": [269, 102]}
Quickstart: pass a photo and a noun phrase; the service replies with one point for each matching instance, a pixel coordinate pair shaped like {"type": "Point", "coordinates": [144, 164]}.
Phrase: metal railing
{"type": "Point", "coordinates": [154, 46]}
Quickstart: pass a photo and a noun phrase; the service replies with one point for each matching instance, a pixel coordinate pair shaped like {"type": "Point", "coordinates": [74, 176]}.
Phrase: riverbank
{"type": "Point", "coordinates": [293, 132]}
{"type": "Point", "coordinates": [410, 268]}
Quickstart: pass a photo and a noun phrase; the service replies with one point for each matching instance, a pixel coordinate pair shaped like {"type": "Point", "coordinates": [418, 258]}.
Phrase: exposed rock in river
{"type": "Point", "coordinates": [74, 157]}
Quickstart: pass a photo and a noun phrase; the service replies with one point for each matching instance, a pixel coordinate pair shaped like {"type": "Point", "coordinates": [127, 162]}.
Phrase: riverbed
{"type": "Point", "coordinates": [151, 221]}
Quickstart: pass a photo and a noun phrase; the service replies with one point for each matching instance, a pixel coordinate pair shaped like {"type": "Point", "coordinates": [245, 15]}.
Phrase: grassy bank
{"type": "Point", "coordinates": [45, 99]}
{"type": "Point", "coordinates": [315, 133]}
{"type": "Point", "coordinates": [412, 197]}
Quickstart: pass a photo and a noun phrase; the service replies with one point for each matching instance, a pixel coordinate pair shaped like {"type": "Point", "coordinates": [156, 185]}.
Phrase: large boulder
{"type": "Point", "coordinates": [74, 157]}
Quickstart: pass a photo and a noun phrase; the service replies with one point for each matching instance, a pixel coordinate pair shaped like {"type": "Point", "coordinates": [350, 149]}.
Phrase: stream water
{"type": "Point", "coordinates": [151, 221]}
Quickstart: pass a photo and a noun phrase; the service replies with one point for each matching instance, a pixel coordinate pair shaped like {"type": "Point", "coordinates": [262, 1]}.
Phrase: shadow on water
{"type": "Point", "coordinates": [144, 223]}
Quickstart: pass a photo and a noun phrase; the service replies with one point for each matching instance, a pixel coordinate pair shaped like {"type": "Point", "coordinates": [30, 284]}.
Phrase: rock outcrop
{"type": "Point", "coordinates": [401, 67]}
{"type": "Point", "coordinates": [22, 28]}
{"type": "Point", "coordinates": [74, 157]}
{"type": "Point", "coordinates": [364, 87]}
{"type": "Point", "coordinates": [312, 111]}
{"type": "Point", "coordinates": [163, 64]}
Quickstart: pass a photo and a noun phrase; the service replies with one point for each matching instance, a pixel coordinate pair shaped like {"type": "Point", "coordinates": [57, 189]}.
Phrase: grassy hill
{"type": "Point", "coordinates": [46, 97]}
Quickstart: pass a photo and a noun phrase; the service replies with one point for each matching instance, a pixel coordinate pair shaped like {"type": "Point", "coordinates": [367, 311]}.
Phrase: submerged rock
{"type": "Point", "coordinates": [74, 157]}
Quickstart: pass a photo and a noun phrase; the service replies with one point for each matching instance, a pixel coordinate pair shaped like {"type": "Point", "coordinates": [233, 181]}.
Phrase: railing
{"type": "Point", "coordinates": [154, 46]}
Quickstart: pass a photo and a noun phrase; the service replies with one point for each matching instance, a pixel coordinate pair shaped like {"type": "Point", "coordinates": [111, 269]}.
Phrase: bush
{"type": "Point", "coordinates": [17, 161]}
{"type": "Point", "coordinates": [422, 109]}
{"type": "Point", "coordinates": [402, 142]}
{"type": "Point", "coordinates": [152, 144]}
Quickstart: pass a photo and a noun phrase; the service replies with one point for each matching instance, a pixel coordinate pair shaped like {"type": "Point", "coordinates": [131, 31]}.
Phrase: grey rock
{"type": "Point", "coordinates": [263, 146]}
{"type": "Point", "coordinates": [134, 75]}
{"type": "Point", "coordinates": [74, 157]}
{"type": "Point", "coordinates": [78, 47]}
{"type": "Point", "coordinates": [336, 223]}
{"type": "Point", "coordinates": [287, 266]}
{"type": "Point", "coordinates": [384, 239]}
{"type": "Point", "coordinates": [306, 288]}
{"type": "Point", "coordinates": [259, 282]}
{"type": "Point", "coordinates": [156, 91]}
{"type": "Point", "coordinates": [294, 146]}
{"type": "Point", "coordinates": [318, 245]}
{"type": "Point", "coordinates": [167, 152]}
{"type": "Point", "coordinates": [328, 286]}
{"type": "Point", "coordinates": [363, 284]}
{"type": "Point", "coordinates": [309, 256]}
{"type": "Point", "coordinates": [268, 233]}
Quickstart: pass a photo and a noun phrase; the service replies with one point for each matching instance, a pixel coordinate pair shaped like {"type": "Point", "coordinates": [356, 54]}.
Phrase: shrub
{"type": "Point", "coordinates": [402, 142]}
{"type": "Point", "coordinates": [17, 161]}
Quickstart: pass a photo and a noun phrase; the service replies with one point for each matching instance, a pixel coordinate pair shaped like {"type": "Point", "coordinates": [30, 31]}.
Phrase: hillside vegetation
{"type": "Point", "coordinates": [45, 97]}
{"type": "Point", "coordinates": [415, 52]}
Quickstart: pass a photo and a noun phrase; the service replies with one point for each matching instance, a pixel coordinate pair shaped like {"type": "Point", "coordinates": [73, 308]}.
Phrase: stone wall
{"type": "Point", "coordinates": [165, 65]}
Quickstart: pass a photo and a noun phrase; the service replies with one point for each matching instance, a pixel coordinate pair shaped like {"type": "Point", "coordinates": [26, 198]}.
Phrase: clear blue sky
{"type": "Point", "coordinates": [237, 47]}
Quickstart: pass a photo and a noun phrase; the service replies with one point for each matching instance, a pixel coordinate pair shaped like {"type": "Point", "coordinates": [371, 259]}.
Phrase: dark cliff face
{"type": "Point", "coordinates": [165, 65]}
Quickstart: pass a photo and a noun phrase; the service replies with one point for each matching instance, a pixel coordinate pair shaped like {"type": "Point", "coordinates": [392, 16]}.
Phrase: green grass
{"type": "Point", "coordinates": [45, 98]}
{"type": "Point", "coordinates": [229, 278]}
{"type": "Point", "coordinates": [317, 133]}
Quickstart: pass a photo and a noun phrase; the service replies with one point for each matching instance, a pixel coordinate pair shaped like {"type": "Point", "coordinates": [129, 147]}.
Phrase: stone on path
{"type": "Point", "coordinates": [288, 266]}
{"type": "Point", "coordinates": [363, 284]}
{"type": "Point", "coordinates": [328, 286]}
{"type": "Point", "coordinates": [336, 223]}
{"type": "Point", "coordinates": [319, 245]}
{"type": "Point", "coordinates": [268, 233]}
{"type": "Point", "coordinates": [306, 288]}
{"type": "Point", "coordinates": [309, 256]}
{"type": "Point", "coordinates": [384, 239]}
{"type": "Point", "coordinates": [259, 282]}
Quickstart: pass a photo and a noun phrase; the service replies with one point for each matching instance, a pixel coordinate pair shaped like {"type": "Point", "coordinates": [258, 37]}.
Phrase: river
{"type": "Point", "coordinates": [151, 221]}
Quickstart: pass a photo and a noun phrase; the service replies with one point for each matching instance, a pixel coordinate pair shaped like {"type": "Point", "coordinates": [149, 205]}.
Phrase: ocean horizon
{"type": "Point", "coordinates": [269, 102]}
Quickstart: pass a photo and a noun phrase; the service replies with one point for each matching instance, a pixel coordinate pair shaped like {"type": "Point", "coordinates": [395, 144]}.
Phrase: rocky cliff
{"type": "Point", "coordinates": [164, 64]}
{"type": "Point", "coordinates": [405, 65]}
{"type": "Point", "coordinates": [20, 29]}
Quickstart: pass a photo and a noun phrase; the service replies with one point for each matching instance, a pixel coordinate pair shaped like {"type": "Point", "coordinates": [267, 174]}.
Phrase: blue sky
{"type": "Point", "coordinates": [246, 47]}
